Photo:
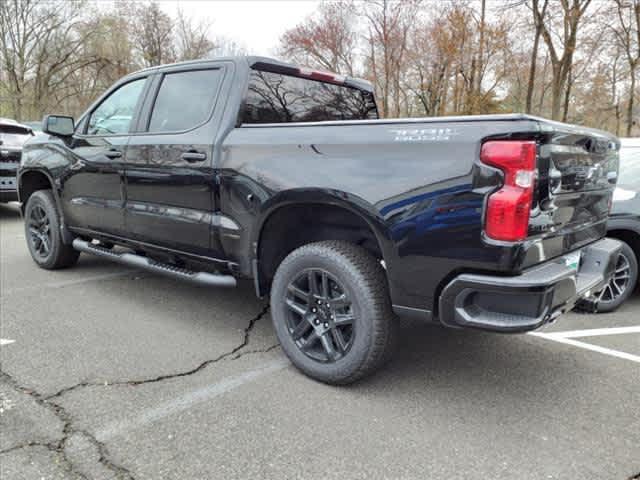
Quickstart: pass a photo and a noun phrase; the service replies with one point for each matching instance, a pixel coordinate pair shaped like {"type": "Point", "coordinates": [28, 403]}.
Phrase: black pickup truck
{"type": "Point", "coordinates": [248, 167]}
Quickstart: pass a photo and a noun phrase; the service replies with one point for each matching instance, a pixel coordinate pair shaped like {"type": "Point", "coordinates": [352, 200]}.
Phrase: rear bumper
{"type": "Point", "coordinates": [527, 301]}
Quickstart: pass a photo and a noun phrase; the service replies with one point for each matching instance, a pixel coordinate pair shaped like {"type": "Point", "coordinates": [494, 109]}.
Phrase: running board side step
{"type": "Point", "coordinates": [138, 261]}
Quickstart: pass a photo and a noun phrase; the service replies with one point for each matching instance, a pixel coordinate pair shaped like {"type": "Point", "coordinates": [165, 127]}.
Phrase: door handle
{"type": "Point", "coordinates": [192, 157]}
{"type": "Point", "coordinates": [113, 154]}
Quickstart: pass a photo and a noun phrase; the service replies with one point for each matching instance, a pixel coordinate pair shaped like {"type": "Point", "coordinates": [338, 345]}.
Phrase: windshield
{"type": "Point", "coordinates": [629, 168]}
{"type": "Point", "coordinates": [13, 136]}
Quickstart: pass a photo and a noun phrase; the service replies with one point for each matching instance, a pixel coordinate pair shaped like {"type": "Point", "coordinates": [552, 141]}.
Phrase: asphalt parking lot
{"type": "Point", "coordinates": [109, 372]}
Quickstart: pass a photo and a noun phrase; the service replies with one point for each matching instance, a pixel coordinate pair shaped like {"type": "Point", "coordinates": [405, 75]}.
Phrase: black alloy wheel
{"type": "Point", "coordinates": [321, 320]}
{"type": "Point", "coordinates": [331, 311]}
{"type": "Point", "coordinates": [39, 228]}
{"type": "Point", "coordinates": [622, 283]}
{"type": "Point", "coordinates": [619, 283]}
{"type": "Point", "coordinates": [42, 231]}
{"type": "Point", "coordinates": [620, 286]}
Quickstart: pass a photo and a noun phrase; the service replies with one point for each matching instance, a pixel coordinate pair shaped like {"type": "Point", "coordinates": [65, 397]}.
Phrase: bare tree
{"type": "Point", "coordinates": [627, 34]}
{"type": "Point", "coordinates": [192, 38]}
{"type": "Point", "coordinates": [534, 56]}
{"type": "Point", "coordinates": [153, 30]}
{"type": "Point", "coordinates": [388, 28]}
{"type": "Point", "coordinates": [560, 36]}
{"type": "Point", "coordinates": [326, 40]}
{"type": "Point", "coordinates": [42, 44]}
{"type": "Point", "coordinates": [431, 58]}
{"type": "Point", "coordinates": [227, 47]}
{"type": "Point", "coordinates": [550, 57]}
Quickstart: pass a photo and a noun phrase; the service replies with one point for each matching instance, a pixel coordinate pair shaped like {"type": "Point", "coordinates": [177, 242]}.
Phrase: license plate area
{"type": "Point", "coordinates": [572, 260]}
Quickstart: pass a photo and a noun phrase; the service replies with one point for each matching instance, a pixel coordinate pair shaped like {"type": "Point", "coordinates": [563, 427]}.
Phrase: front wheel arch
{"type": "Point", "coordinates": [29, 182]}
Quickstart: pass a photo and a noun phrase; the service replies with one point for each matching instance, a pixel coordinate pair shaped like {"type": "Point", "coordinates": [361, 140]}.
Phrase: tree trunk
{"type": "Point", "coordinates": [557, 89]}
{"type": "Point", "coordinates": [532, 70]}
{"type": "Point", "coordinates": [632, 90]}
{"type": "Point", "coordinates": [567, 95]}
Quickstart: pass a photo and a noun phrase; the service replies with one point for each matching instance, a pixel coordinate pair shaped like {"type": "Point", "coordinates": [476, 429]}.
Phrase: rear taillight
{"type": "Point", "coordinates": [508, 209]}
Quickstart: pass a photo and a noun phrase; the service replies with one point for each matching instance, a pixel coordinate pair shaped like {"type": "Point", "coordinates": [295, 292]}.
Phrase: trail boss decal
{"type": "Point", "coordinates": [424, 134]}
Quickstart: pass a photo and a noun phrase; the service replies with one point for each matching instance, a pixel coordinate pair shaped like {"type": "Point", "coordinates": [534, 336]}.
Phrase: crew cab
{"type": "Point", "coordinates": [248, 167]}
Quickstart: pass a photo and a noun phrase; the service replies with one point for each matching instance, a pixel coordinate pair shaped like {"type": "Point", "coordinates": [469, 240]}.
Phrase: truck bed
{"type": "Point", "coordinates": [423, 183]}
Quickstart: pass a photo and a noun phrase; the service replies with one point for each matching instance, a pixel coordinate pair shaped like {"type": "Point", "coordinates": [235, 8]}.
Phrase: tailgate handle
{"type": "Point", "coordinates": [194, 157]}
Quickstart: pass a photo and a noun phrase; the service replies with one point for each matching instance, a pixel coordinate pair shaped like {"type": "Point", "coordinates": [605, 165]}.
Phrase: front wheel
{"type": "Point", "coordinates": [42, 230]}
{"type": "Point", "coordinates": [331, 311]}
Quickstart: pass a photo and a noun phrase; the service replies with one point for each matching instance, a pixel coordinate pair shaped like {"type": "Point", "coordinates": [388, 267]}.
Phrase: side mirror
{"type": "Point", "coordinates": [59, 125]}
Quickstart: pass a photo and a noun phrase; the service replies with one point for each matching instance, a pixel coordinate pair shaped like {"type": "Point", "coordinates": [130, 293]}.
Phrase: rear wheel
{"type": "Point", "coordinates": [623, 282]}
{"type": "Point", "coordinates": [42, 230]}
{"type": "Point", "coordinates": [331, 311]}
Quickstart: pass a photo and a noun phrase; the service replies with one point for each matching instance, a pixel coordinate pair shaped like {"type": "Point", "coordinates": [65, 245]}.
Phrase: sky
{"type": "Point", "coordinates": [255, 25]}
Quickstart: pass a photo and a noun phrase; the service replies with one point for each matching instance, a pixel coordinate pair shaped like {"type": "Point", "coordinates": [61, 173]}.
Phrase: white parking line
{"type": "Point", "coordinates": [187, 401]}
{"type": "Point", "coordinates": [568, 336]}
{"type": "Point", "coordinates": [595, 332]}
{"type": "Point", "coordinates": [68, 283]}
{"type": "Point", "coordinates": [6, 341]}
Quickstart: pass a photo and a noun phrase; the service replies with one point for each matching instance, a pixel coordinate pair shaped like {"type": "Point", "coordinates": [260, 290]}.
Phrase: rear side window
{"type": "Point", "coordinates": [185, 100]}
{"type": "Point", "coordinates": [13, 135]}
{"type": "Point", "coordinates": [276, 98]}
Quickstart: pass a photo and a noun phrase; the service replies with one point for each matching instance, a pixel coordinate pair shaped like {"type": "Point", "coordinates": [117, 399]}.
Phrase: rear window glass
{"type": "Point", "coordinates": [185, 100]}
{"type": "Point", "coordinates": [13, 136]}
{"type": "Point", "coordinates": [277, 98]}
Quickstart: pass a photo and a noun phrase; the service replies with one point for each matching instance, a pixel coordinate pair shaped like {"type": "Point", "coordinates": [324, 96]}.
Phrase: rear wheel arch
{"type": "Point", "coordinates": [292, 225]}
{"type": "Point", "coordinates": [627, 235]}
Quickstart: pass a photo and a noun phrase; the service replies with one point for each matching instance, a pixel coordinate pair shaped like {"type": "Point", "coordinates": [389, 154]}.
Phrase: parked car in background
{"type": "Point", "coordinates": [35, 125]}
{"type": "Point", "coordinates": [13, 135]}
{"type": "Point", "coordinates": [624, 224]}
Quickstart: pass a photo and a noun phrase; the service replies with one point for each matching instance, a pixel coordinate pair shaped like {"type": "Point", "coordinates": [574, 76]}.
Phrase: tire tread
{"type": "Point", "coordinates": [65, 255]}
{"type": "Point", "coordinates": [368, 271]}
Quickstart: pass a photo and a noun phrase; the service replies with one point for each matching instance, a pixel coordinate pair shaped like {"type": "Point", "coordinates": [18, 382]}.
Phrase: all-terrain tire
{"type": "Point", "coordinates": [42, 220]}
{"type": "Point", "coordinates": [364, 282]}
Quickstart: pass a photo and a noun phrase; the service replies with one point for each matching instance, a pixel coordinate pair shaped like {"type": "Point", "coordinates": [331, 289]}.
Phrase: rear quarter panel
{"type": "Point", "coordinates": [415, 183]}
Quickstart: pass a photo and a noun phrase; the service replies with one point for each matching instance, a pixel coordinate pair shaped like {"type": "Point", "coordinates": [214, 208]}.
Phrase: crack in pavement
{"type": "Point", "coordinates": [69, 430]}
{"type": "Point", "coordinates": [49, 446]}
{"type": "Point", "coordinates": [168, 376]}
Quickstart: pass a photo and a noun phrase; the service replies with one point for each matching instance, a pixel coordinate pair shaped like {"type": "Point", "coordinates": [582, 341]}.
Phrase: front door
{"type": "Point", "coordinates": [169, 163]}
{"type": "Point", "coordinates": [93, 192]}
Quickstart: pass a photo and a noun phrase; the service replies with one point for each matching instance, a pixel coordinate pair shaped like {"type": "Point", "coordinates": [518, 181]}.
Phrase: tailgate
{"type": "Point", "coordinates": [577, 170]}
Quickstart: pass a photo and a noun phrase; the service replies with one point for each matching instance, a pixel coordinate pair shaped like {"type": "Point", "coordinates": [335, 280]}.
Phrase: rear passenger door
{"type": "Point", "coordinates": [170, 181]}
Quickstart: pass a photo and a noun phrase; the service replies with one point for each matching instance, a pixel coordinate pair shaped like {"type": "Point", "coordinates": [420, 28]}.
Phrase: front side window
{"type": "Point", "coordinates": [114, 115]}
{"type": "Point", "coordinates": [185, 100]}
{"type": "Point", "coordinates": [278, 98]}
